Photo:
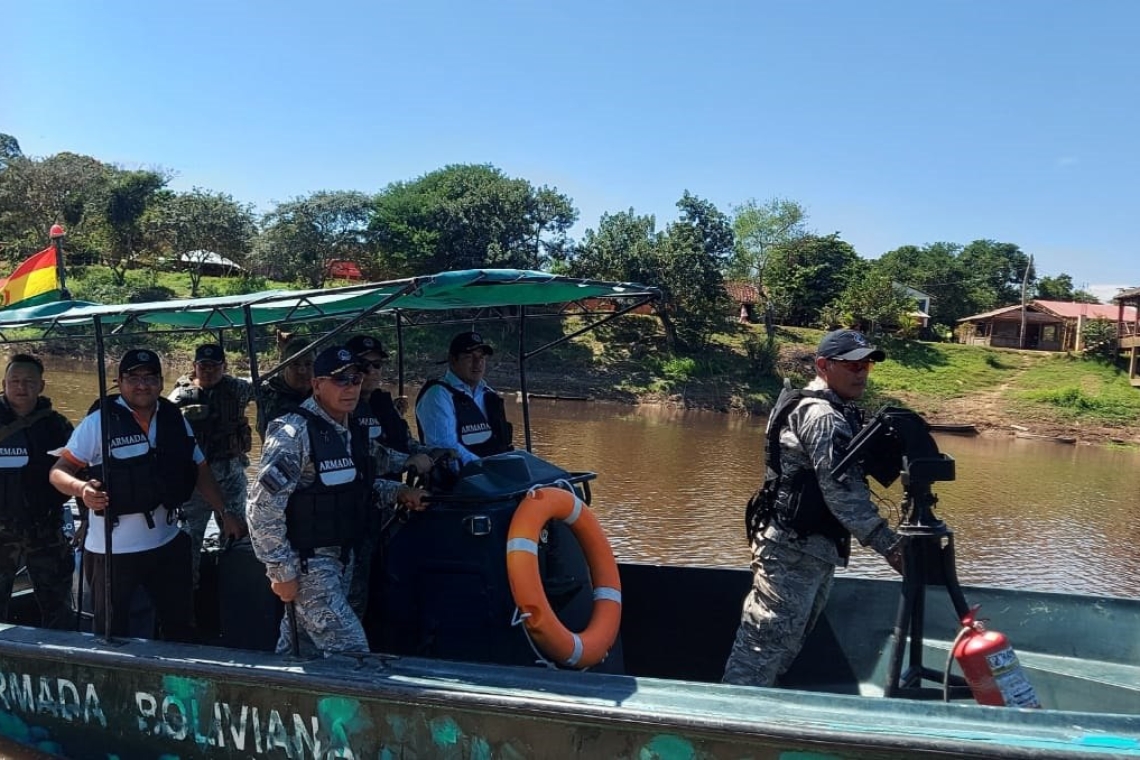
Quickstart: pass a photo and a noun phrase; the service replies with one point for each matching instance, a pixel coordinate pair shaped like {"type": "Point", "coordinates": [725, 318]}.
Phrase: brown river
{"type": "Point", "coordinates": [672, 486]}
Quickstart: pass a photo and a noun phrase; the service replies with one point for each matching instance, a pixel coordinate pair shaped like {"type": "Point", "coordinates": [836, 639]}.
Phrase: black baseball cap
{"type": "Point", "coordinates": [360, 345]}
{"type": "Point", "coordinates": [334, 360]}
{"type": "Point", "coordinates": [139, 357]}
{"type": "Point", "coordinates": [466, 342]}
{"type": "Point", "coordinates": [848, 345]}
{"type": "Point", "coordinates": [209, 352]}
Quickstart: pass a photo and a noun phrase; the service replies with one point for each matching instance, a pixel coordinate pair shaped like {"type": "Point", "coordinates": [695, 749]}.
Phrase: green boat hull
{"type": "Point", "coordinates": [83, 698]}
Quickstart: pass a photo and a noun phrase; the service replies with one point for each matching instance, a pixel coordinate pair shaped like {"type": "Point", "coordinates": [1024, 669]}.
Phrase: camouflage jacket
{"type": "Point", "coordinates": [816, 435]}
{"type": "Point", "coordinates": [286, 465]}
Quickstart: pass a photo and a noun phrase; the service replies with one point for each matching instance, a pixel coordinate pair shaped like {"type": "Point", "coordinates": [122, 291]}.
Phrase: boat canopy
{"type": "Point", "coordinates": [466, 289]}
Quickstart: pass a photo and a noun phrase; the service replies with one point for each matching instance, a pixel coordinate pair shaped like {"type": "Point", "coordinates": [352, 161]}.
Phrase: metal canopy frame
{"type": "Point", "coordinates": [481, 295]}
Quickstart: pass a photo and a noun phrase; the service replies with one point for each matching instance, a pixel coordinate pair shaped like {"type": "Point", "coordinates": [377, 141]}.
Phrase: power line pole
{"type": "Point", "coordinates": [1024, 292]}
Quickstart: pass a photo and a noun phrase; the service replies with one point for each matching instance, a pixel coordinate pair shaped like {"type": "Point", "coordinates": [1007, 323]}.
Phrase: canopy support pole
{"type": "Point", "coordinates": [105, 457]}
{"type": "Point", "coordinates": [524, 395]}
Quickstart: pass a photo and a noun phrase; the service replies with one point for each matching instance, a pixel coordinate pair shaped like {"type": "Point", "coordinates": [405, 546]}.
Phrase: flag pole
{"type": "Point", "coordinates": [57, 234]}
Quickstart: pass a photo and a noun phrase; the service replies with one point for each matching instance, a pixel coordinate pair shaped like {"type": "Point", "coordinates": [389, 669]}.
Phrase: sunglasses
{"type": "Point", "coordinates": [139, 381]}
{"type": "Point", "coordinates": [861, 365]}
{"type": "Point", "coordinates": [345, 381]}
{"type": "Point", "coordinates": [372, 365]}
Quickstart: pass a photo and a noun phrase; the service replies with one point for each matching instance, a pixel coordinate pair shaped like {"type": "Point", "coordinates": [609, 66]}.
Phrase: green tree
{"type": "Point", "coordinates": [201, 222]}
{"type": "Point", "coordinates": [467, 216]}
{"type": "Point", "coordinates": [625, 248]}
{"type": "Point", "coordinates": [9, 149]}
{"type": "Point", "coordinates": [758, 229]}
{"type": "Point", "coordinates": [871, 301]}
{"type": "Point", "coordinates": [34, 194]}
{"type": "Point", "coordinates": [934, 269]}
{"type": "Point", "coordinates": [303, 236]}
{"type": "Point", "coordinates": [1060, 288]}
{"type": "Point", "coordinates": [995, 272]}
{"type": "Point", "coordinates": [694, 253]}
{"type": "Point", "coordinates": [804, 275]}
{"type": "Point", "coordinates": [685, 262]}
{"type": "Point", "coordinates": [127, 198]}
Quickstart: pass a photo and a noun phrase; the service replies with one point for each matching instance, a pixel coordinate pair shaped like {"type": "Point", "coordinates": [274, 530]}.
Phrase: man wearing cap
{"type": "Point", "coordinates": [460, 411]}
{"type": "Point", "coordinates": [155, 464]}
{"type": "Point", "coordinates": [214, 404]}
{"type": "Point", "coordinates": [312, 495]}
{"type": "Point", "coordinates": [802, 520]}
{"type": "Point", "coordinates": [285, 391]}
{"type": "Point", "coordinates": [383, 423]}
{"type": "Point", "coordinates": [31, 511]}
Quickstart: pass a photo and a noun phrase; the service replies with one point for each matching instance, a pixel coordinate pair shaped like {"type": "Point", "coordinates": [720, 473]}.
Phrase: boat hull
{"type": "Point", "coordinates": [140, 699]}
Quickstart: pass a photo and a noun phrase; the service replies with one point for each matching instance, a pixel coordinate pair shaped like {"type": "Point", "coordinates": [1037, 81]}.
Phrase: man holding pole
{"type": "Point", "coordinates": [153, 467]}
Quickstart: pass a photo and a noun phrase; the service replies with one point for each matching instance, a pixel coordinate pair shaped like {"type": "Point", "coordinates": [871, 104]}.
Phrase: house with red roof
{"type": "Point", "coordinates": [1049, 325]}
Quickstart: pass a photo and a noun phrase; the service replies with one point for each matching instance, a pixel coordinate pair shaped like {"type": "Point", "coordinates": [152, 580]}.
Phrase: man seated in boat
{"type": "Point", "coordinates": [155, 465]}
{"type": "Point", "coordinates": [383, 422]}
{"type": "Point", "coordinates": [31, 511]}
{"type": "Point", "coordinates": [285, 391]}
{"type": "Point", "coordinates": [214, 403]}
{"type": "Point", "coordinates": [311, 497]}
{"type": "Point", "coordinates": [802, 520]}
{"type": "Point", "coordinates": [460, 411]}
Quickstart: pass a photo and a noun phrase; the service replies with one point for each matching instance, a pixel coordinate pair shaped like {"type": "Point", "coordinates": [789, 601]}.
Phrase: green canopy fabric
{"type": "Point", "coordinates": [467, 289]}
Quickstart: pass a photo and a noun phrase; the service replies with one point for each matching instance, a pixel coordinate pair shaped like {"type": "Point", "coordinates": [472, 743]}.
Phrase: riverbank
{"type": "Point", "coordinates": [998, 391]}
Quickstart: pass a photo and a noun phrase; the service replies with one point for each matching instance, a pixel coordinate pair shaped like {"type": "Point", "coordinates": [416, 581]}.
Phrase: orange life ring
{"type": "Point", "coordinates": [579, 650]}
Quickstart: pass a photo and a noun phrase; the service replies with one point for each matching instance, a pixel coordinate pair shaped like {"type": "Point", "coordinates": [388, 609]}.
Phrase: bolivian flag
{"type": "Point", "coordinates": [35, 282]}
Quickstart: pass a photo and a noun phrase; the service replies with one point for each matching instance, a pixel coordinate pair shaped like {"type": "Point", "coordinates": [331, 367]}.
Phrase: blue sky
{"type": "Point", "coordinates": [893, 123]}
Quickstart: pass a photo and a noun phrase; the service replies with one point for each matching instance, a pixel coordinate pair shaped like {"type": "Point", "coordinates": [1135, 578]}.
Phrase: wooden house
{"type": "Point", "coordinates": [1128, 328]}
{"type": "Point", "coordinates": [1049, 325]}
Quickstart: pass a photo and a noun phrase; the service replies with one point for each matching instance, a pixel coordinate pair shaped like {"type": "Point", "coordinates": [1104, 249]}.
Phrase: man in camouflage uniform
{"type": "Point", "coordinates": [31, 511]}
{"type": "Point", "coordinates": [312, 492]}
{"type": "Point", "coordinates": [802, 529]}
{"type": "Point", "coordinates": [214, 404]}
{"type": "Point", "coordinates": [285, 391]}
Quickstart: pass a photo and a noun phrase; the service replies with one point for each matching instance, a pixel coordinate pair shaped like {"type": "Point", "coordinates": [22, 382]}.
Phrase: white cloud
{"type": "Point", "coordinates": [1106, 292]}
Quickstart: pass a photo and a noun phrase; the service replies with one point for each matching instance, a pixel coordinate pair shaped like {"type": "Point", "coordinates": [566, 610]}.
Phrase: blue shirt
{"type": "Point", "coordinates": [436, 414]}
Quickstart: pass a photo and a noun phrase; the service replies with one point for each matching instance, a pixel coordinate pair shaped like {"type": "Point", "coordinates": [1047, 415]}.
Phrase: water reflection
{"type": "Point", "coordinates": [672, 486]}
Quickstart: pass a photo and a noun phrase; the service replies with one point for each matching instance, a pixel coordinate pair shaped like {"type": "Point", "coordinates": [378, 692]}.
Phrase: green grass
{"type": "Point", "coordinates": [943, 370]}
{"type": "Point", "coordinates": [1078, 390]}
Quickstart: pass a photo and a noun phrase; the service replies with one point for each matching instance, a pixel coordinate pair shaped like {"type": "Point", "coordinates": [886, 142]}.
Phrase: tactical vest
{"type": "Point", "coordinates": [27, 499]}
{"type": "Point", "coordinates": [482, 435]}
{"type": "Point", "coordinates": [380, 420]}
{"type": "Point", "coordinates": [795, 502]}
{"type": "Point", "coordinates": [333, 509]}
{"type": "Point", "coordinates": [143, 477]}
{"type": "Point", "coordinates": [277, 399]}
{"type": "Point", "coordinates": [218, 420]}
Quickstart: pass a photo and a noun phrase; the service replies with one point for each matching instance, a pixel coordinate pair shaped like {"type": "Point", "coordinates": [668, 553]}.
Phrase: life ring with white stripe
{"type": "Point", "coordinates": [578, 650]}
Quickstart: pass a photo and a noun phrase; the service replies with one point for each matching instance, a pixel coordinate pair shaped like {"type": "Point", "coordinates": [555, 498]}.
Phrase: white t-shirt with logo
{"type": "Point", "coordinates": [131, 534]}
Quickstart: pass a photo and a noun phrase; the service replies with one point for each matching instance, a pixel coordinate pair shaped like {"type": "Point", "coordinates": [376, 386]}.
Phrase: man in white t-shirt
{"type": "Point", "coordinates": [155, 465]}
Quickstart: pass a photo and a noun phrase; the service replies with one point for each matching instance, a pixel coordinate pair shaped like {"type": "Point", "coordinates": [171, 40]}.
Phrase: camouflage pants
{"type": "Point", "coordinates": [325, 622]}
{"type": "Point", "coordinates": [47, 554]}
{"type": "Point", "coordinates": [789, 592]}
{"type": "Point", "coordinates": [196, 513]}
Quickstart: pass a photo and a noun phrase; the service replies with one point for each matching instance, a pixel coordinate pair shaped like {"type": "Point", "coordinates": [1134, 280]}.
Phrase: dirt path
{"type": "Point", "coordinates": [993, 414]}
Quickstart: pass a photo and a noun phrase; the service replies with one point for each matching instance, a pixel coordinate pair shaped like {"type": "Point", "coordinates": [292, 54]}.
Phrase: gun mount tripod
{"type": "Point", "coordinates": [897, 443]}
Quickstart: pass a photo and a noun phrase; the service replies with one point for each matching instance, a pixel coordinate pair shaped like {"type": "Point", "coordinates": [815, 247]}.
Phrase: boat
{"type": "Point", "coordinates": [1042, 437]}
{"type": "Point", "coordinates": [954, 428]}
{"type": "Point", "coordinates": [452, 674]}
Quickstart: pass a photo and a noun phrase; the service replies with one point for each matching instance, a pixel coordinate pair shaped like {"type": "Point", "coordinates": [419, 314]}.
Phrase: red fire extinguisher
{"type": "Point", "coordinates": [990, 666]}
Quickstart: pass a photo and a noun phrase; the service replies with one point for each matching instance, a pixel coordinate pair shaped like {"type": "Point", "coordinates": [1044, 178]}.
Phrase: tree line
{"type": "Point", "coordinates": [473, 215]}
